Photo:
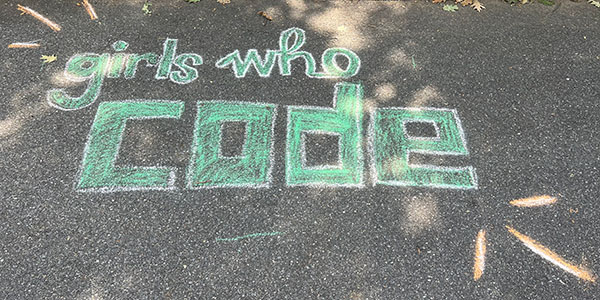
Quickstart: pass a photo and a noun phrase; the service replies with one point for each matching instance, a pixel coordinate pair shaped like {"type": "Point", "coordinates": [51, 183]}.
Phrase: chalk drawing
{"type": "Point", "coordinates": [333, 70]}
{"type": "Point", "coordinates": [94, 67]}
{"type": "Point", "coordinates": [479, 259]}
{"type": "Point", "coordinates": [345, 120]}
{"type": "Point", "coordinates": [166, 60]}
{"type": "Point", "coordinates": [253, 235]}
{"type": "Point", "coordinates": [186, 74]}
{"type": "Point", "coordinates": [549, 255]}
{"type": "Point", "coordinates": [338, 165]}
{"type": "Point", "coordinates": [117, 61]}
{"type": "Point", "coordinates": [252, 59]}
{"type": "Point", "coordinates": [98, 172]}
{"type": "Point", "coordinates": [80, 67]}
{"type": "Point", "coordinates": [286, 54]}
{"type": "Point", "coordinates": [391, 146]}
{"type": "Point", "coordinates": [209, 169]}
{"type": "Point", "coordinates": [579, 271]}
{"type": "Point", "coordinates": [40, 17]}
{"type": "Point", "coordinates": [90, 10]}
{"type": "Point", "coordinates": [133, 60]}
{"type": "Point", "coordinates": [120, 46]}
{"type": "Point", "coordinates": [534, 201]}
{"type": "Point", "coordinates": [24, 45]}
{"type": "Point", "coordinates": [433, 123]}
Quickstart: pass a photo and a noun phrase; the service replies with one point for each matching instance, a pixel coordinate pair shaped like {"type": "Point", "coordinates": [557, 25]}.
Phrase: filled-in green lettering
{"type": "Point", "coordinates": [392, 145]}
{"type": "Point", "coordinates": [208, 168]}
{"type": "Point", "coordinates": [345, 121]}
{"type": "Point", "coordinates": [98, 172]}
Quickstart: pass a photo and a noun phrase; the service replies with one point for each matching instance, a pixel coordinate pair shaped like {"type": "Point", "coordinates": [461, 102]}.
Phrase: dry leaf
{"type": "Point", "coordinates": [265, 15]}
{"type": "Point", "coordinates": [477, 5]}
{"type": "Point", "coordinates": [224, 1]}
{"type": "Point", "coordinates": [147, 8]}
{"type": "Point", "coordinates": [48, 58]}
{"type": "Point", "coordinates": [466, 2]}
{"type": "Point", "coordinates": [595, 3]}
{"type": "Point", "coordinates": [438, 1]}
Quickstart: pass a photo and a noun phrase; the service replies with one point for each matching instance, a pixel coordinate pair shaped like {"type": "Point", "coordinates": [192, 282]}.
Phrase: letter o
{"type": "Point", "coordinates": [333, 69]}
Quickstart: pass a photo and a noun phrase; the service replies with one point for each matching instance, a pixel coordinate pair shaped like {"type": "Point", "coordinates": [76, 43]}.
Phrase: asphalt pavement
{"type": "Point", "coordinates": [327, 206]}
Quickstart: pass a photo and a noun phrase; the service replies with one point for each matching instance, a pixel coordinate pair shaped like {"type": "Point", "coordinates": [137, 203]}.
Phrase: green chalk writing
{"type": "Point", "coordinates": [253, 235]}
{"type": "Point", "coordinates": [391, 143]}
{"type": "Point", "coordinates": [331, 67]}
{"type": "Point", "coordinates": [392, 146]}
{"type": "Point", "coordinates": [134, 59]}
{"type": "Point", "coordinates": [344, 120]}
{"type": "Point", "coordinates": [98, 172]}
{"type": "Point", "coordinates": [186, 74]}
{"type": "Point", "coordinates": [208, 168]}
{"type": "Point", "coordinates": [116, 65]}
{"type": "Point", "coordinates": [252, 59]}
{"type": "Point", "coordinates": [117, 61]}
{"type": "Point", "coordinates": [288, 52]}
{"type": "Point", "coordinates": [120, 46]}
{"type": "Point", "coordinates": [80, 67]}
{"type": "Point", "coordinates": [166, 59]}
{"type": "Point", "coordinates": [95, 67]}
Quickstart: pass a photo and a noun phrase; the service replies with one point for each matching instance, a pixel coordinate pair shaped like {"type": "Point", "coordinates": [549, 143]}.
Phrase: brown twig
{"type": "Point", "coordinates": [24, 45]}
{"type": "Point", "coordinates": [35, 14]}
{"type": "Point", "coordinates": [90, 10]}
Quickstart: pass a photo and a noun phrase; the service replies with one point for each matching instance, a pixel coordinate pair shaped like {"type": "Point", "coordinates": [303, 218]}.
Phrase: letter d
{"type": "Point", "coordinates": [343, 120]}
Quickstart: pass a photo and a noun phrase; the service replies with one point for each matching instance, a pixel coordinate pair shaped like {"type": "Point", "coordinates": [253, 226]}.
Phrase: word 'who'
{"type": "Point", "coordinates": [388, 154]}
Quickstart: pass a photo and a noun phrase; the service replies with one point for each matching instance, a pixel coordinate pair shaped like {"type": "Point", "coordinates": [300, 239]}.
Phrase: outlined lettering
{"type": "Point", "coordinates": [98, 172]}
{"type": "Point", "coordinates": [208, 168]}
{"type": "Point", "coordinates": [391, 147]}
{"type": "Point", "coordinates": [345, 120]}
{"type": "Point", "coordinates": [79, 68]}
{"type": "Point", "coordinates": [289, 51]}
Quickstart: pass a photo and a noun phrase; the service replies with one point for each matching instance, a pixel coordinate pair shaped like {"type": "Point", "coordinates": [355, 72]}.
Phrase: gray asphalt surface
{"type": "Point", "coordinates": [522, 79]}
